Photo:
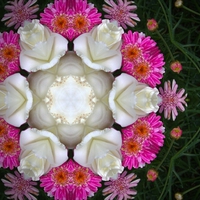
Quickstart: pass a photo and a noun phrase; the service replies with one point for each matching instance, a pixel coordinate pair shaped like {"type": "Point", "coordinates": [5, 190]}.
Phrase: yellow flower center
{"type": "Point", "coordinates": [80, 23]}
{"type": "Point", "coordinates": [131, 147]}
{"type": "Point", "coordinates": [60, 176]}
{"type": "Point", "coordinates": [131, 53]}
{"type": "Point", "coordinates": [80, 176]}
{"type": "Point", "coordinates": [60, 23]}
{"type": "Point", "coordinates": [141, 70]}
{"type": "Point", "coordinates": [9, 146]}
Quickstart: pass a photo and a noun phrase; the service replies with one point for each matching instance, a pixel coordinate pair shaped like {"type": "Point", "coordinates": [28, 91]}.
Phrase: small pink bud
{"type": "Point", "coordinates": [152, 24]}
{"type": "Point", "coordinates": [176, 66]}
{"type": "Point", "coordinates": [176, 133]}
{"type": "Point", "coordinates": [152, 175]}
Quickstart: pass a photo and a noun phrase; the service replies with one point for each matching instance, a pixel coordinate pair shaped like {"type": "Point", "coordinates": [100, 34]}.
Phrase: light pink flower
{"type": "Point", "coordinates": [122, 187]}
{"type": "Point", "coordinates": [152, 24]}
{"type": "Point", "coordinates": [70, 18]}
{"type": "Point", "coordinates": [141, 58]}
{"type": "Point", "coordinates": [171, 99]}
{"type": "Point", "coordinates": [152, 175]}
{"type": "Point", "coordinates": [176, 66]}
{"type": "Point", "coordinates": [9, 54]}
{"type": "Point", "coordinates": [122, 12]}
{"type": "Point", "coordinates": [176, 133]}
{"type": "Point", "coordinates": [19, 12]}
{"type": "Point", "coordinates": [141, 141]}
{"type": "Point", "coordinates": [9, 145]}
{"type": "Point", "coordinates": [19, 187]}
{"type": "Point", "coordinates": [70, 181]}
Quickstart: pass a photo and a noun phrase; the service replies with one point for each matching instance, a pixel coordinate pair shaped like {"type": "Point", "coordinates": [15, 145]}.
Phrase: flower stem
{"type": "Point", "coordinates": [190, 10]}
{"type": "Point", "coordinates": [197, 186]}
{"type": "Point", "coordinates": [161, 37]}
{"type": "Point", "coordinates": [172, 142]}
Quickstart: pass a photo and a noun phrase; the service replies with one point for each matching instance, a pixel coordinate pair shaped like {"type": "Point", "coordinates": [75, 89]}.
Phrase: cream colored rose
{"type": "Point", "coordinates": [33, 33]}
{"type": "Point", "coordinates": [100, 151]}
{"type": "Point", "coordinates": [109, 33]}
{"type": "Point", "coordinates": [108, 166]}
{"type": "Point", "coordinates": [41, 48]}
{"type": "Point", "coordinates": [130, 100]}
{"type": "Point", "coordinates": [40, 151]}
{"type": "Point", "coordinates": [16, 100]}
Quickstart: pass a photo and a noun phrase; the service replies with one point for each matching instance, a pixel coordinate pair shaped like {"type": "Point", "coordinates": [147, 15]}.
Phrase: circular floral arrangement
{"type": "Point", "coordinates": [79, 101]}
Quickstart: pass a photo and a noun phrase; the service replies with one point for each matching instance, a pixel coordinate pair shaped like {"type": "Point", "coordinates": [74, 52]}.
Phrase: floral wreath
{"type": "Point", "coordinates": [78, 98]}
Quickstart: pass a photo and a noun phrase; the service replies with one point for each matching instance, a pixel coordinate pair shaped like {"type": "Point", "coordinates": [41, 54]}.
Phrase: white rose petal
{"type": "Point", "coordinates": [40, 151]}
{"type": "Point", "coordinates": [18, 100]}
{"type": "Point", "coordinates": [96, 54]}
{"type": "Point", "coordinates": [108, 33]}
{"type": "Point", "coordinates": [130, 100]}
{"type": "Point", "coordinates": [99, 147]}
{"type": "Point", "coordinates": [3, 105]}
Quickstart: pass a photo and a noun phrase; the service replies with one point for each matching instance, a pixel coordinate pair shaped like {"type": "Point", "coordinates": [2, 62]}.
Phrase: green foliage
{"type": "Point", "coordinates": [178, 37]}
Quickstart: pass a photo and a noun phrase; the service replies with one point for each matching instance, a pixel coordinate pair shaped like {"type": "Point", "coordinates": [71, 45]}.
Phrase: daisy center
{"type": "Point", "coordinates": [141, 130]}
{"type": "Point", "coordinates": [131, 53]}
{"type": "Point", "coordinates": [60, 23]}
{"type": "Point", "coordinates": [21, 14]}
{"type": "Point", "coordinates": [80, 177]}
{"type": "Point", "coordinates": [132, 147]}
{"type": "Point", "coordinates": [9, 146]}
{"type": "Point", "coordinates": [9, 53]}
{"type": "Point", "coordinates": [60, 177]}
{"type": "Point", "coordinates": [80, 23]}
{"type": "Point", "coordinates": [169, 99]}
{"type": "Point", "coordinates": [141, 70]}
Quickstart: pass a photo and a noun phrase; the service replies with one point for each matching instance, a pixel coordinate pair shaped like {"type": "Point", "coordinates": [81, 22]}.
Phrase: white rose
{"type": "Point", "coordinates": [40, 151]}
{"type": "Point", "coordinates": [100, 151]}
{"type": "Point", "coordinates": [41, 48]}
{"type": "Point", "coordinates": [16, 100]}
{"type": "Point", "coordinates": [33, 33]}
{"type": "Point", "coordinates": [147, 99]}
{"type": "Point", "coordinates": [109, 33]}
{"type": "Point", "coordinates": [130, 100]}
{"type": "Point", "coordinates": [108, 166]}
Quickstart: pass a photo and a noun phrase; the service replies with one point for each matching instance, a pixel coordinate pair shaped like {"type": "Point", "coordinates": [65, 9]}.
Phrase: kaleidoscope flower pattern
{"type": "Point", "coordinates": [79, 100]}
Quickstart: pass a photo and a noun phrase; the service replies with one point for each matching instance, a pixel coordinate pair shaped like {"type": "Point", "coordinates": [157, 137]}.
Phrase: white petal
{"type": "Point", "coordinates": [70, 135]}
{"type": "Point", "coordinates": [19, 100]}
{"type": "Point", "coordinates": [40, 118]}
{"type": "Point", "coordinates": [40, 82]}
{"type": "Point", "coordinates": [3, 104]}
{"type": "Point", "coordinates": [70, 64]}
{"type": "Point", "coordinates": [122, 100]}
{"type": "Point", "coordinates": [96, 54]}
{"type": "Point", "coordinates": [45, 55]}
{"type": "Point", "coordinates": [103, 141]}
{"type": "Point", "coordinates": [35, 140]}
{"type": "Point", "coordinates": [101, 82]}
{"type": "Point", "coordinates": [101, 117]}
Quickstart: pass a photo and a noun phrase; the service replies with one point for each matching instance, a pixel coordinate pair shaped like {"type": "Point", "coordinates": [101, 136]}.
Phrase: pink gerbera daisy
{"type": "Point", "coordinates": [122, 187]}
{"type": "Point", "coordinates": [20, 12]}
{"type": "Point", "coordinates": [70, 181]}
{"type": "Point", "coordinates": [9, 54]}
{"type": "Point", "coordinates": [122, 12]}
{"type": "Point", "coordinates": [172, 100]}
{"type": "Point", "coordinates": [9, 145]}
{"type": "Point", "coordinates": [19, 187]}
{"type": "Point", "coordinates": [70, 18]}
{"type": "Point", "coordinates": [142, 58]}
{"type": "Point", "coordinates": [141, 141]}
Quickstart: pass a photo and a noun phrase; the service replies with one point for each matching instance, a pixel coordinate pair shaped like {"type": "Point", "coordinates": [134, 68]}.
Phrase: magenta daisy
{"type": "Point", "coordinates": [70, 18]}
{"type": "Point", "coordinates": [70, 180]}
{"type": "Point", "coordinates": [9, 54]}
{"type": "Point", "coordinates": [122, 12]}
{"type": "Point", "coordinates": [142, 58]}
{"type": "Point", "coordinates": [9, 145]}
{"type": "Point", "coordinates": [122, 187]}
{"type": "Point", "coordinates": [171, 100]}
{"type": "Point", "coordinates": [19, 187]}
{"type": "Point", "coordinates": [20, 12]}
{"type": "Point", "coordinates": [141, 141]}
